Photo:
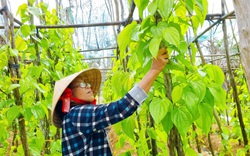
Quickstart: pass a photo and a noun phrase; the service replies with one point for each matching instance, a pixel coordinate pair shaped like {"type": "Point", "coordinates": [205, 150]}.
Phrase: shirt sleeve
{"type": "Point", "coordinates": [138, 94]}
{"type": "Point", "coordinates": [90, 118]}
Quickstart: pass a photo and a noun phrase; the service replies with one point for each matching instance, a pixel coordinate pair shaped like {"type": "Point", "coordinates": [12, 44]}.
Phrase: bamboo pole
{"type": "Point", "coordinates": [99, 49]}
{"type": "Point", "coordinates": [210, 17]}
{"type": "Point", "coordinates": [242, 10]}
{"type": "Point", "coordinates": [15, 73]}
{"type": "Point", "coordinates": [233, 84]}
{"type": "Point", "coordinates": [75, 25]}
{"type": "Point", "coordinates": [211, 26]}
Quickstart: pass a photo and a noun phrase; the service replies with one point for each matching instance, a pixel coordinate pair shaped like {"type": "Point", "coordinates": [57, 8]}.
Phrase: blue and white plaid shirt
{"type": "Point", "coordinates": [83, 130]}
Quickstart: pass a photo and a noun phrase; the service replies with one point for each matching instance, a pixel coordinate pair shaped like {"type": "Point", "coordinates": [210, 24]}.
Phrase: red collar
{"type": "Point", "coordinates": [67, 97]}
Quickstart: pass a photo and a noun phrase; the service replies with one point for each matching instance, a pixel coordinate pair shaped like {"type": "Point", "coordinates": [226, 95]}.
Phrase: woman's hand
{"type": "Point", "coordinates": [161, 60]}
{"type": "Point", "coordinates": [158, 65]}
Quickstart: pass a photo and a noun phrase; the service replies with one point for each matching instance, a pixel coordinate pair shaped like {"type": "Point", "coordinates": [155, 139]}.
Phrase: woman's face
{"type": "Point", "coordinates": [82, 90]}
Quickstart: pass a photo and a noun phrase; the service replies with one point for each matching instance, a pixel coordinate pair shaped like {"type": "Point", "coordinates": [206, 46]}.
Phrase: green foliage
{"type": "Point", "coordinates": [44, 58]}
{"type": "Point", "coordinates": [128, 126]}
{"type": "Point", "coordinates": [125, 36]}
{"type": "Point", "coordinates": [49, 56]}
{"type": "Point", "coordinates": [165, 8]}
{"type": "Point", "coordinates": [196, 90]}
{"type": "Point", "coordinates": [158, 108]}
{"type": "Point", "coordinates": [182, 119]}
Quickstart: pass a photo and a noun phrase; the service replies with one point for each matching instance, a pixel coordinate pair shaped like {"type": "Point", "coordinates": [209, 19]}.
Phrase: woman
{"type": "Point", "coordinates": [83, 123]}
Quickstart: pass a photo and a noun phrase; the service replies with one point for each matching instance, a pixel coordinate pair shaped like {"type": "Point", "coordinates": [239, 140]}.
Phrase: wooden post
{"type": "Point", "coordinates": [242, 11]}
{"type": "Point", "coordinates": [14, 71]}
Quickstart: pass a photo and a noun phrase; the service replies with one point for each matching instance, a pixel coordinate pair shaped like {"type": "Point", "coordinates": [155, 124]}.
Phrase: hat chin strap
{"type": "Point", "coordinates": [67, 97]}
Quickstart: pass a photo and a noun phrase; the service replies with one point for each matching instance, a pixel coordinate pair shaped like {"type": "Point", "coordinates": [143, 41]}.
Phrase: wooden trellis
{"type": "Point", "coordinates": [226, 61]}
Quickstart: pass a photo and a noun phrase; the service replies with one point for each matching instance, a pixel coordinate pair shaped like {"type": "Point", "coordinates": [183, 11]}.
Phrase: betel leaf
{"type": "Point", "coordinates": [193, 50]}
{"type": "Point", "coordinates": [11, 87]}
{"type": "Point", "coordinates": [167, 123]}
{"type": "Point", "coordinates": [182, 119]}
{"type": "Point", "coordinates": [151, 133]}
{"type": "Point", "coordinates": [190, 151]}
{"type": "Point", "coordinates": [204, 122]}
{"type": "Point", "coordinates": [21, 45]}
{"type": "Point", "coordinates": [200, 9]}
{"type": "Point", "coordinates": [141, 4]}
{"type": "Point", "coordinates": [4, 48]}
{"type": "Point", "coordinates": [181, 10]}
{"type": "Point", "coordinates": [25, 84]}
{"type": "Point", "coordinates": [174, 66]}
{"type": "Point", "coordinates": [33, 149]}
{"type": "Point", "coordinates": [38, 141]}
{"type": "Point", "coordinates": [13, 52]}
{"type": "Point", "coordinates": [199, 3]}
{"type": "Point", "coordinates": [190, 5]}
{"type": "Point", "coordinates": [25, 30]}
{"type": "Point", "coordinates": [6, 103]}
{"type": "Point", "coordinates": [198, 13]}
{"type": "Point", "coordinates": [27, 113]}
{"type": "Point", "coordinates": [31, 2]}
{"type": "Point", "coordinates": [22, 9]}
{"type": "Point", "coordinates": [38, 111]}
{"type": "Point", "coordinates": [45, 43]}
{"type": "Point", "coordinates": [55, 147]}
{"type": "Point", "coordinates": [35, 71]}
{"type": "Point", "coordinates": [5, 134]}
{"type": "Point", "coordinates": [124, 38]}
{"type": "Point", "coordinates": [181, 58]}
{"type": "Point", "coordinates": [40, 87]}
{"type": "Point", "coordinates": [147, 23]}
{"type": "Point", "coordinates": [172, 36]}
{"type": "Point", "coordinates": [34, 11]}
{"type": "Point", "coordinates": [177, 93]}
{"type": "Point", "coordinates": [134, 62]}
{"type": "Point", "coordinates": [183, 47]}
{"type": "Point", "coordinates": [195, 23]}
{"type": "Point", "coordinates": [128, 81]}
{"type": "Point", "coordinates": [121, 142]}
{"type": "Point", "coordinates": [128, 126]}
{"type": "Point", "coordinates": [158, 108]}
{"type": "Point", "coordinates": [43, 6]}
{"type": "Point", "coordinates": [165, 7]}
{"type": "Point", "coordinates": [154, 46]}
{"type": "Point", "coordinates": [12, 113]}
{"type": "Point", "coordinates": [219, 95]}
{"type": "Point", "coordinates": [139, 52]}
{"type": "Point", "coordinates": [199, 88]}
{"type": "Point", "coordinates": [215, 73]}
{"type": "Point", "coordinates": [191, 100]}
{"type": "Point", "coordinates": [158, 30]}
{"type": "Point", "coordinates": [152, 7]}
{"type": "Point", "coordinates": [208, 98]}
{"type": "Point", "coordinates": [116, 81]}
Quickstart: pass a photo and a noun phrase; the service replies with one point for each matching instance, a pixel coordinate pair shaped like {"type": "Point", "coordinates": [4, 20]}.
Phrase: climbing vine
{"type": "Point", "coordinates": [183, 96]}
{"type": "Point", "coordinates": [181, 106]}
{"type": "Point", "coordinates": [45, 56]}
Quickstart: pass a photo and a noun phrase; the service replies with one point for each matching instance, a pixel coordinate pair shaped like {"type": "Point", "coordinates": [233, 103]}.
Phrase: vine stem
{"type": "Point", "coordinates": [15, 74]}
{"type": "Point", "coordinates": [174, 139]}
{"type": "Point", "coordinates": [233, 85]}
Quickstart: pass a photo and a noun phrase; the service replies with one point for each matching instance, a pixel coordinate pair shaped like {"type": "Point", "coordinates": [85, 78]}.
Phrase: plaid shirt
{"type": "Point", "coordinates": [83, 130]}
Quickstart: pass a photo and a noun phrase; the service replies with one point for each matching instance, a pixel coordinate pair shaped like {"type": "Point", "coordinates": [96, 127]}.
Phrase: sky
{"type": "Point", "coordinates": [214, 5]}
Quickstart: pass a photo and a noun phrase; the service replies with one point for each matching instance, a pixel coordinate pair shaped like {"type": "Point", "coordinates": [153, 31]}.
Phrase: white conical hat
{"type": "Point", "coordinates": [92, 76]}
